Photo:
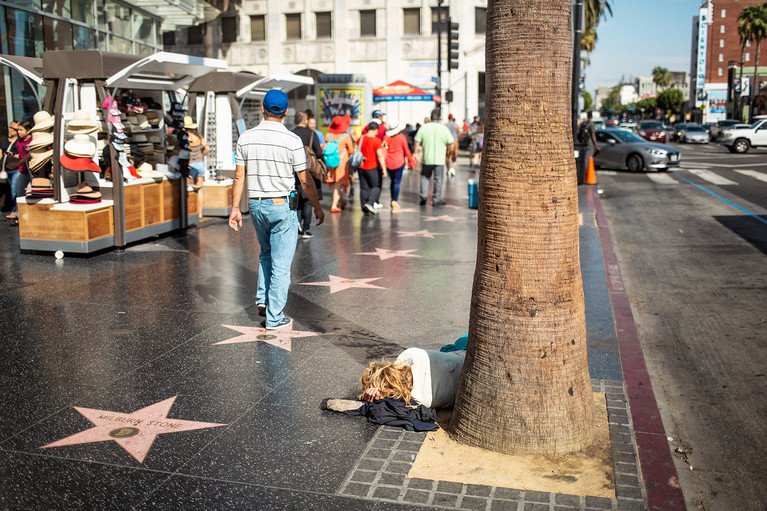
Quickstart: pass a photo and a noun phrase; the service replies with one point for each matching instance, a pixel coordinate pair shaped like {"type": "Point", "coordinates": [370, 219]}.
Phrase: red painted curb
{"type": "Point", "coordinates": [658, 470]}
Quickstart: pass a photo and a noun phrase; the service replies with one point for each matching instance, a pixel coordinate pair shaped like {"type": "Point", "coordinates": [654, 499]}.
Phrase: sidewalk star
{"type": "Point", "coordinates": [135, 432]}
{"type": "Point", "coordinates": [425, 233]}
{"type": "Point", "coordinates": [279, 338]}
{"type": "Point", "coordinates": [446, 218]}
{"type": "Point", "coordinates": [340, 283]}
{"type": "Point", "coordinates": [388, 254]}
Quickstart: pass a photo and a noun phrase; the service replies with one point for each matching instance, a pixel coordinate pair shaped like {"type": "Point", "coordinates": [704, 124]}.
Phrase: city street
{"type": "Point", "coordinates": [692, 245]}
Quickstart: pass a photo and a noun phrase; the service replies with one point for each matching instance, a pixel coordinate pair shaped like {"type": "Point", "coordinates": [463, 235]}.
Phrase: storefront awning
{"type": "Point", "coordinates": [179, 13]}
{"type": "Point", "coordinates": [284, 82]}
{"type": "Point", "coordinates": [400, 91]}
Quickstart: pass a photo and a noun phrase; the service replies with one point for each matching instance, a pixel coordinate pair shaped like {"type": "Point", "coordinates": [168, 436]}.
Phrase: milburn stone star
{"type": "Point", "coordinates": [279, 338]}
{"type": "Point", "coordinates": [135, 432]}
{"type": "Point", "coordinates": [340, 283]}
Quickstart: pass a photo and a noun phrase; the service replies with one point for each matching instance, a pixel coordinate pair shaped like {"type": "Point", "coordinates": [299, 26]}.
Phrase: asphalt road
{"type": "Point", "coordinates": [692, 245]}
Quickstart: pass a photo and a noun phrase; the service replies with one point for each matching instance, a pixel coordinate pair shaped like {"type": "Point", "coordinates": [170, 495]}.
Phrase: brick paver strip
{"type": "Point", "coordinates": [658, 470]}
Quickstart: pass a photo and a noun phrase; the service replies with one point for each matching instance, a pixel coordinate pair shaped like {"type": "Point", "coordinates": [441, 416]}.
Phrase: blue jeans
{"type": "Point", "coordinates": [277, 231]}
{"type": "Point", "coordinates": [197, 169]}
{"type": "Point", "coordinates": [13, 180]}
{"type": "Point", "coordinates": [396, 178]}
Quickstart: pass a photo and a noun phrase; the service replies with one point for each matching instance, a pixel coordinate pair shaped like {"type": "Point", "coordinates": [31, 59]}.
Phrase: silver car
{"type": "Point", "coordinates": [621, 148]}
{"type": "Point", "coordinates": [694, 134]}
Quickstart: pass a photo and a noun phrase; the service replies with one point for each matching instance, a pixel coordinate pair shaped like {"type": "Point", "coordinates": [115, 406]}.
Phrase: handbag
{"type": "Point", "coordinates": [356, 159]}
{"type": "Point", "coordinates": [316, 167]}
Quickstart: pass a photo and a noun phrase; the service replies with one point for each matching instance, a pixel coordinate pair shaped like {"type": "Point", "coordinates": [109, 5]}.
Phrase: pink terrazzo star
{"type": "Point", "coordinates": [135, 432]}
{"type": "Point", "coordinates": [445, 218]}
{"type": "Point", "coordinates": [340, 283]}
{"type": "Point", "coordinates": [405, 210]}
{"type": "Point", "coordinates": [384, 253]}
{"type": "Point", "coordinates": [452, 206]}
{"type": "Point", "coordinates": [425, 233]}
{"type": "Point", "coordinates": [280, 338]}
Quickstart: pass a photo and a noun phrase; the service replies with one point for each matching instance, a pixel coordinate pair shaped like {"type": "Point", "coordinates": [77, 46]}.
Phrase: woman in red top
{"type": "Point", "coordinates": [372, 169]}
{"type": "Point", "coordinates": [397, 150]}
{"type": "Point", "coordinates": [22, 149]}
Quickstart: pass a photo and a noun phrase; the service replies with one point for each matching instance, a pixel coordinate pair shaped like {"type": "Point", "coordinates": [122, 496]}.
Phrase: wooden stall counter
{"type": "Point", "coordinates": [47, 225]}
{"type": "Point", "coordinates": [217, 198]}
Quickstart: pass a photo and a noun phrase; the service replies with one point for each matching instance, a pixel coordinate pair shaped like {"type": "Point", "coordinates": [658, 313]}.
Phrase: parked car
{"type": "Point", "coordinates": [676, 131]}
{"type": "Point", "coordinates": [740, 140]}
{"type": "Point", "coordinates": [621, 148]}
{"type": "Point", "coordinates": [694, 134]}
{"type": "Point", "coordinates": [718, 127]}
{"type": "Point", "coordinates": [651, 130]}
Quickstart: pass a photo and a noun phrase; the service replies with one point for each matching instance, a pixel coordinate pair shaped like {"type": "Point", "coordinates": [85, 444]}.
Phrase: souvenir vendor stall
{"type": "Point", "coordinates": [219, 98]}
{"type": "Point", "coordinates": [111, 140]}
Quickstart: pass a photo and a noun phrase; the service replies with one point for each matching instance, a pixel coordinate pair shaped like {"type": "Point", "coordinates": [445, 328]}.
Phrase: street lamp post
{"type": "Point", "coordinates": [738, 89]}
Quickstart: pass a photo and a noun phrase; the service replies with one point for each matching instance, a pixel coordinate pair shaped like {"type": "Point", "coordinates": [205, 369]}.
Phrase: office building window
{"type": "Point", "coordinates": [721, 57]}
{"type": "Point", "coordinates": [258, 28]}
{"type": "Point", "coordinates": [480, 20]}
{"type": "Point", "coordinates": [411, 21]}
{"type": "Point", "coordinates": [747, 56]}
{"type": "Point", "coordinates": [324, 25]}
{"type": "Point", "coordinates": [368, 23]}
{"type": "Point", "coordinates": [721, 29]}
{"type": "Point", "coordinates": [194, 34]}
{"type": "Point", "coordinates": [724, 13]}
{"type": "Point", "coordinates": [57, 34]}
{"type": "Point", "coordinates": [720, 72]}
{"type": "Point", "coordinates": [229, 29]}
{"type": "Point", "coordinates": [721, 43]}
{"type": "Point", "coordinates": [293, 26]}
{"type": "Point", "coordinates": [168, 39]}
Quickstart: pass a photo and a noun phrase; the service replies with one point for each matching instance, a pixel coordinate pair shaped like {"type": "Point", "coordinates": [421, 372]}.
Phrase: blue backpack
{"type": "Point", "coordinates": [332, 158]}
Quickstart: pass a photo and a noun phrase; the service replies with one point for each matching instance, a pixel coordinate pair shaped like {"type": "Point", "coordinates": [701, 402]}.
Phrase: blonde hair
{"type": "Point", "coordinates": [391, 380]}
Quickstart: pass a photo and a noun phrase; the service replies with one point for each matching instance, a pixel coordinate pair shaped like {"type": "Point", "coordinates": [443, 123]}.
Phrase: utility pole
{"type": "Point", "coordinates": [577, 36]}
{"type": "Point", "coordinates": [439, 53]}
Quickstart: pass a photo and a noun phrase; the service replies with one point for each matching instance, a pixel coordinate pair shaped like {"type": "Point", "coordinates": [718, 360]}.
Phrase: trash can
{"type": "Point", "coordinates": [474, 193]}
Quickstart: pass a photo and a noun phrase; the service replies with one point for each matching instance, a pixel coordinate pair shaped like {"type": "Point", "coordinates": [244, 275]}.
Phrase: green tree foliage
{"type": "Point", "coordinates": [593, 11]}
{"type": "Point", "coordinates": [588, 101]}
{"type": "Point", "coordinates": [752, 26]}
{"type": "Point", "coordinates": [648, 104]}
{"type": "Point", "coordinates": [670, 99]}
{"type": "Point", "coordinates": [661, 77]}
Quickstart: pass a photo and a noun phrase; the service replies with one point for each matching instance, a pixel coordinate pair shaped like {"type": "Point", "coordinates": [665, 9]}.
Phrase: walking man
{"type": "Point", "coordinates": [270, 155]}
{"type": "Point", "coordinates": [436, 139]}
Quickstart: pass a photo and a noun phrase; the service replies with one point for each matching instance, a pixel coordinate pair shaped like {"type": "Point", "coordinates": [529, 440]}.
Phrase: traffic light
{"type": "Point", "coordinates": [452, 45]}
{"type": "Point", "coordinates": [581, 83]}
{"type": "Point", "coordinates": [449, 96]}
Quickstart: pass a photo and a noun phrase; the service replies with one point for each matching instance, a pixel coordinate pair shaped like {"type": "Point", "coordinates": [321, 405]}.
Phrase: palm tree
{"type": "Point", "coordinates": [744, 32]}
{"type": "Point", "coordinates": [593, 11]}
{"type": "Point", "coordinates": [752, 21]}
{"type": "Point", "coordinates": [661, 77]}
{"type": "Point", "coordinates": [525, 386]}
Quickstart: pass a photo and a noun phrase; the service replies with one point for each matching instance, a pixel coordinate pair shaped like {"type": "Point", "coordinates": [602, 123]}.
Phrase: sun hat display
{"type": "Point", "coordinates": [40, 188]}
{"type": "Point", "coordinates": [146, 170]}
{"type": "Point", "coordinates": [82, 123]}
{"type": "Point", "coordinates": [78, 163]}
{"type": "Point", "coordinates": [276, 102]}
{"type": "Point", "coordinates": [393, 127]}
{"type": "Point", "coordinates": [132, 120]}
{"type": "Point", "coordinates": [80, 145]}
{"type": "Point", "coordinates": [41, 139]}
{"type": "Point", "coordinates": [43, 121]}
{"type": "Point", "coordinates": [138, 139]}
{"type": "Point", "coordinates": [340, 124]}
{"type": "Point", "coordinates": [143, 122]}
{"type": "Point", "coordinates": [85, 195]}
{"type": "Point", "coordinates": [189, 124]}
{"type": "Point", "coordinates": [39, 159]}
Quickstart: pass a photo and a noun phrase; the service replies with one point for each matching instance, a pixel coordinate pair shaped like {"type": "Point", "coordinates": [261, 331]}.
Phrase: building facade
{"type": "Point", "coordinates": [384, 40]}
{"type": "Point", "coordinates": [30, 27]}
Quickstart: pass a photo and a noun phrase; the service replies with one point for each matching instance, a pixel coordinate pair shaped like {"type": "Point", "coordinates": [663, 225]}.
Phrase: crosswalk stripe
{"type": "Point", "coordinates": [761, 176]}
{"type": "Point", "coordinates": [711, 177]}
{"type": "Point", "coordinates": [662, 179]}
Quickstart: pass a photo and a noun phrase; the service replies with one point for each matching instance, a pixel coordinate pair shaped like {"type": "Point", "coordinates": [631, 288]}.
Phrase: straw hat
{"type": "Point", "coordinates": [393, 127]}
{"type": "Point", "coordinates": [43, 121]}
{"type": "Point", "coordinates": [340, 124]}
{"type": "Point", "coordinates": [41, 139]}
{"type": "Point", "coordinates": [146, 170]}
{"type": "Point", "coordinates": [132, 120]}
{"type": "Point", "coordinates": [82, 123]}
{"type": "Point", "coordinates": [143, 122]}
{"type": "Point", "coordinates": [189, 124]}
{"type": "Point", "coordinates": [80, 145]}
{"type": "Point", "coordinates": [38, 160]}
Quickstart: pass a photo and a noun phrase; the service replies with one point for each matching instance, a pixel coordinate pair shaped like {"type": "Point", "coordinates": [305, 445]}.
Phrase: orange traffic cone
{"type": "Point", "coordinates": [591, 175]}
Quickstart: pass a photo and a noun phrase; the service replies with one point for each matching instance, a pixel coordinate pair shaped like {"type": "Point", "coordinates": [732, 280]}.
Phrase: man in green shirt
{"type": "Point", "coordinates": [436, 140]}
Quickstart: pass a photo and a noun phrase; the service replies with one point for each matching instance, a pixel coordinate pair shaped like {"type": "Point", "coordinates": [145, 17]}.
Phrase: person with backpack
{"type": "Point", "coordinates": [338, 147]}
{"type": "Point", "coordinates": [587, 136]}
{"type": "Point", "coordinates": [305, 206]}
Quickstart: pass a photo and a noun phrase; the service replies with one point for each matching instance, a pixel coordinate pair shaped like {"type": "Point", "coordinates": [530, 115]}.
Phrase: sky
{"type": "Point", "coordinates": [640, 35]}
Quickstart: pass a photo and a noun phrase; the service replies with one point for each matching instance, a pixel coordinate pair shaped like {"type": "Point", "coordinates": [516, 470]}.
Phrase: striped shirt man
{"type": "Point", "coordinates": [270, 154]}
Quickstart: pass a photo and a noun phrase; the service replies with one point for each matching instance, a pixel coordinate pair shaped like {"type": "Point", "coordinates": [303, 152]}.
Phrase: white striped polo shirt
{"type": "Point", "coordinates": [271, 155]}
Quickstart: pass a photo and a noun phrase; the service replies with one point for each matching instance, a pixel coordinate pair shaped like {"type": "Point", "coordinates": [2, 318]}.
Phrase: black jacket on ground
{"type": "Point", "coordinates": [394, 412]}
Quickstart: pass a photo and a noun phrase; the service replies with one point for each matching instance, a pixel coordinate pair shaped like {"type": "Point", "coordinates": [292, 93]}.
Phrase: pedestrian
{"type": "Point", "coordinates": [378, 116]}
{"type": "Point", "coordinates": [198, 149]}
{"type": "Point", "coordinates": [338, 147]}
{"type": "Point", "coordinates": [435, 138]}
{"type": "Point", "coordinates": [22, 150]}
{"type": "Point", "coordinates": [312, 125]}
{"type": "Point", "coordinates": [453, 127]}
{"type": "Point", "coordinates": [397, 150]}
{"type": "Point", "coordinates": [372, 169]}
{"type": "Point", "coordinates": [309, 139]}
{"type": "Point", "coordinates": [587, 136]}
{"type": "Point", "coordinates": [269, 156]}
{"type": "Point", "coordinates": [472, 144]}
{"type": "Point", "coordinates": [478, 140]}
{"type": "Point", "coordinates": [10, 164]}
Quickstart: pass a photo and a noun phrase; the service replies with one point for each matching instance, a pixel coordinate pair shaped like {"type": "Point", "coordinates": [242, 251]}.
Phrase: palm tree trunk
{"type": "Point", "coordinates": [755, 85]}
{"type": "Point", "coordinates": [525, 386]}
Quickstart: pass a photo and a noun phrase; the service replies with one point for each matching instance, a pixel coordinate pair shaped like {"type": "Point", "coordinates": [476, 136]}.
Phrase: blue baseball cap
{"type": "Point", "coordinates": [276, 102]}
{"type": "Point", "coordinates": [377, 113]}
